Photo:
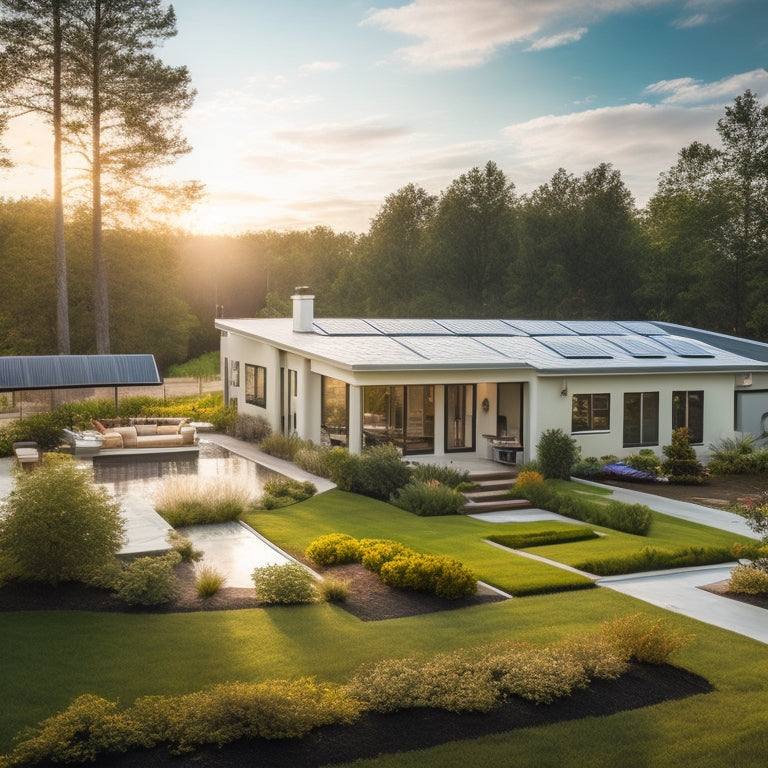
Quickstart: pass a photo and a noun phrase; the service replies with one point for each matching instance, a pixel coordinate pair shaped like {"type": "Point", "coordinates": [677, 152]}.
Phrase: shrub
{"type": "Point", "coordinates": [184, 547]}
{"type": "Point", "coordinates": [334, 590]}
{"type": "Point", "coordinates": [557, 454]}
{"type": "Point", "coordinates": [312, 460]}
{"type": "Point", "coordinates": [380, 472]}
{"type": "Point", "coordinates": [149, 580]}
{"type": "Point", "coordinates": [642, 639]}
{"type": "Point", "coordinates": [42, 428]}
{"type": "Point", "coordinates": [92, 728]}
{"type": "Point", "coordinates": [252, 429]}
{"type": "Point", "coordinates": [748, 580]}
{"type": "Point", "coordinates": [526, 481]}
{"type": "Point", "coordinates": [282, 447]}
{"type": "Point", "coordinates": [375, 552]}
{"type": "Point", "coordinates": [209, 581]}
{"type": "Point", "coordinates": [285, 584]}
{"type": "Point", "coordinates": [589, 467]}
{"type": "Point", "coordinates": [646, 461]}
{"type": "Point", "coordinates": [88, 728]}
{"type": "Point", "coordinates": [56, 525]}
{"type": "Point", "coordinates": [453, 478]}
{"type": "Point", "coordinates": [200, 500]}
{"type": "Point", "coordinates": [441, 576]}
{"type": "Point", "coordinates": [140, 405]}
{"type": "Point", "coordinates": [281, 493]}
{"type": "Point", "coordinates": [334, 549]}
{"type": "Point", "coordinates": [341, 467]}
{"type": "Point", "coordinates": [429, 499]}
{"type": "Point", "coordinates": [681, 465]}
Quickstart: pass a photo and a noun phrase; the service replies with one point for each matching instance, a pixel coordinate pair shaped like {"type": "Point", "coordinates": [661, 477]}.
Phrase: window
{"type": "Point", "coordinates": [641, 419]}
{"type": "Point", "coordinates": [688, 411]}
{"type": "Point", "coordinates": [256, 385]}
{"type": "Point", "coordinates": [334, 405]}
{"type": "Point", "coordinates": [591, 413]}
{"type": "Point", "coordinates": [234, 375]}
{"type": "Point", "coordinates": [401, 415]}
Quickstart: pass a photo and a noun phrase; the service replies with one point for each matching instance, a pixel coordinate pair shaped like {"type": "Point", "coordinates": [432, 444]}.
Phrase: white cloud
{"type": "Point", "coordinates": [555, 41]}
{"type": "Point", "coordinates": [639, 140]}
{"type": "Point", "coordinates": [686, 90]}
{"type": "Point", "coordinates": [456, 33]}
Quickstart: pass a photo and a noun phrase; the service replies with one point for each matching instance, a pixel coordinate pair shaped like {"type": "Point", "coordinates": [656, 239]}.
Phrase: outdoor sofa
{"type": "Point", "coordinates": [145, 433]}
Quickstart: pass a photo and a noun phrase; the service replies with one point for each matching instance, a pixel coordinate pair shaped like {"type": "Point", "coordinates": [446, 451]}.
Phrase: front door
{"type": "Point", "coordinates": [459, 417]}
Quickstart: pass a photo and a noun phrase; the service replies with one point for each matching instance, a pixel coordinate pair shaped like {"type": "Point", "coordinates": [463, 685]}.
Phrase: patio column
{"type": "Point", "coordinates": [355, 415]}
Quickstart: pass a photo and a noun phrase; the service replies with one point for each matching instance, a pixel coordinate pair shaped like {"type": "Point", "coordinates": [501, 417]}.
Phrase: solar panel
{"type": "Point", "coordinates": [684, 348]}
{"type": "Point", "coordinates": [594, 327]}
{"type": "Point", "coordinates": [344, 326]}
{"type": "Point", "coordinates": [457, 349]}
{"type": "Point", "coordinates": [407, 327]}
{"type": "Point", "coordinates": [64, 371]}
{"type": "Point", "coordinates": [574, 348]}
{"type": "Point", "coordinates": [638, 347]}
{"type": "Point", "coordinates": [479, 327]}
{"type": "Point", "coordinates": [642, 328]}
{"type": "Point", "coordinates": [540, 327]}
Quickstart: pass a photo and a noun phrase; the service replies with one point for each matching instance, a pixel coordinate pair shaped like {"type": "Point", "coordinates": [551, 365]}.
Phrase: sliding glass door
{"type": "Point", "coordinates": [459, 417]}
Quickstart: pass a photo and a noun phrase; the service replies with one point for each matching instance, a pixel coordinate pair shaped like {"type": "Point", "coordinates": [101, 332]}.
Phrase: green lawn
{"type": "Point", "coordinates": [48, 658]}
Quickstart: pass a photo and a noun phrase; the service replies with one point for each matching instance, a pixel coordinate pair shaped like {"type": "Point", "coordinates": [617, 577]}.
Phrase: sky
{"type": "Point", "coordinates": [311, 112]}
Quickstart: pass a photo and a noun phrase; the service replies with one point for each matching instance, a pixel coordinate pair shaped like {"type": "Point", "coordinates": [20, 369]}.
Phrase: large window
{"type": "Point", "coordinates": [641, 419]}
{"type": "Point", "coordinates": [401, 415]}
{"type": "Point", "coordinates": [333, 410]}
{"type": "Point", "coordinates": [688, 411]}
{"type": "Point", "coordinates": [591, 413]}
{"type": "Point", "coordinates": [256, 385]}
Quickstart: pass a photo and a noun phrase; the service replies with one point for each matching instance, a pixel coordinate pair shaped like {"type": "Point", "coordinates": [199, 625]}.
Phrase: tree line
{"type": "Point", "coordinates": [576, 247]}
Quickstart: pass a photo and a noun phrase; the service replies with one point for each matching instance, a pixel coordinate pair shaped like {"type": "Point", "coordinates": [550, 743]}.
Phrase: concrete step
{"type": "Point", "coordinates": [477, 507]}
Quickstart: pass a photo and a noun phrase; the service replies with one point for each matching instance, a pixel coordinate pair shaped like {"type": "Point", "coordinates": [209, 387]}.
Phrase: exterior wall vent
{"type": "Point", "coordinates": [303, 310]}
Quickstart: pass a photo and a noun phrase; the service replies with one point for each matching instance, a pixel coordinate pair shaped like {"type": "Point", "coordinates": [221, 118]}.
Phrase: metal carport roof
{"type": "Point", "coordinates": [71, 371]}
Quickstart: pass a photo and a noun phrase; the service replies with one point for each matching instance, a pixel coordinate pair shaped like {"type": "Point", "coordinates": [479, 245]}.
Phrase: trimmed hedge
{"type": "Point", "coordinates": [542, 538]}
{"type": "Point", "coordinates": [654, 559]}
{"type": "Point", "coordinates": [629, 518]}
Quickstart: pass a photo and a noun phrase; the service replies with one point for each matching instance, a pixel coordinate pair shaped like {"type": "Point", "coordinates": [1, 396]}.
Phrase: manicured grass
{"type": "Point", "coordinates": [49, 658]}
{"type": "Point", "coordinates": [456, 536]}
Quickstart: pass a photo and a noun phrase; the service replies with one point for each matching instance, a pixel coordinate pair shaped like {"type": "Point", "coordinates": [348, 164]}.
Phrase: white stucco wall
{"type": "Point", "coordinates": [554, 411]}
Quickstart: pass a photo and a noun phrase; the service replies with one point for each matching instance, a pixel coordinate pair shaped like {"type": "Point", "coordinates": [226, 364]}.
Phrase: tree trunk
{"type": "Point", "coordinates": [62, 293]}
{"type": "Point", "coordinates": [100, 290]}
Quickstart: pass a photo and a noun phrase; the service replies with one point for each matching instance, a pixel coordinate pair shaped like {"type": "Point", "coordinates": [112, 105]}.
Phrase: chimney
{"type": "Point", "coordinates": [303, 310]}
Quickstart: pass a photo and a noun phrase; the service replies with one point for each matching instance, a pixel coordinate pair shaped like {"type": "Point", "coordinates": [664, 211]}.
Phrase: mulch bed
{"type": "Point", "coordinates": [404, 731]}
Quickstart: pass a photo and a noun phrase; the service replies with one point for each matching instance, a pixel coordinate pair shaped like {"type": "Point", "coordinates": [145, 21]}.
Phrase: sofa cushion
{"type": "Point", "coordinates": [143, 430]}
{"type": "Point", "coordinates": [167, 429]}
{"type": "Point", "coordinates": [187, 435]}
{"type": "Point", "coordinates": [99, 427]}
{"type": "Point", "coordinates": [128, 434]}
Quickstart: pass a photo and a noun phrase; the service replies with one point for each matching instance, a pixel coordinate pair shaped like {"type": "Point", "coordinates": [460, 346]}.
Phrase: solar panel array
{"type": "Point", "coordinates": [491, 339]}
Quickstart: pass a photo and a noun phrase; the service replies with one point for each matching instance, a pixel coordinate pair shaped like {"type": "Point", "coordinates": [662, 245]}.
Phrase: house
{"type": "Point", "coordinates": [491, 387]}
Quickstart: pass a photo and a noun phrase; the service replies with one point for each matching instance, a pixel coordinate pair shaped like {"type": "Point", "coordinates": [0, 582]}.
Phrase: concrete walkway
{"type": "Point", "coordinates": [679, 590]}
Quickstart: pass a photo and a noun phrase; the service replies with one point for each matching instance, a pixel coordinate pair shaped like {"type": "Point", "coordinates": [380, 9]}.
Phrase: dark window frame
{"type": "Point", "coordinates": [647, 437]}
{"type": "Point", "coordinates": [688, 411]}
{"type": "Point", "coordinates": [587, 412]}
{"type": "Point", "coordinates": [256, 385]}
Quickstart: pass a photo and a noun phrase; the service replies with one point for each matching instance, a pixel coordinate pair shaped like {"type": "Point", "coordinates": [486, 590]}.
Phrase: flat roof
{"type": "Point", "coordinates": [547, 346]}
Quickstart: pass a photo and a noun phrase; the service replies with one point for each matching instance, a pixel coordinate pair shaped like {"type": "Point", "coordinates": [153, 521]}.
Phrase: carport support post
{"type": "Point", "coordinates": [117, 400]}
